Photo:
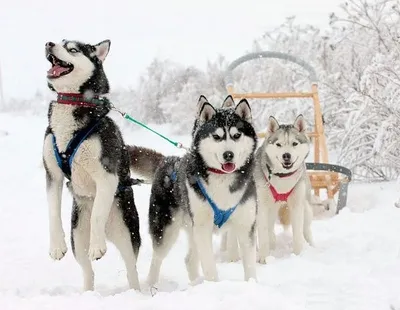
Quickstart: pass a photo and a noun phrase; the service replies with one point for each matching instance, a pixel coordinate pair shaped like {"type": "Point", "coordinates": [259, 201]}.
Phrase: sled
{"type": "Point", "coordinates": [323, 175]}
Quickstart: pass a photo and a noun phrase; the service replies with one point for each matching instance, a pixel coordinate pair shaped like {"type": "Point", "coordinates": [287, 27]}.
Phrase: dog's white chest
{"type": "Point", "coordinates": [63, 124]}
{"type": "Point", "coordinates": [218, 189]}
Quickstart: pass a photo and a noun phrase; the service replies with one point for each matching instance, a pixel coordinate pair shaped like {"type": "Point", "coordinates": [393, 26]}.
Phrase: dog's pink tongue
{"type": "Point", "coordinates": [56, 70]}
{"type": "Point", "coordinates": [228, 167]}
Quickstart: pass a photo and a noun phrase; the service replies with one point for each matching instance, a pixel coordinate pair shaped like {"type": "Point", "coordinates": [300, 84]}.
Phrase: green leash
{"type": "Point", "coordinates": [131, 119]}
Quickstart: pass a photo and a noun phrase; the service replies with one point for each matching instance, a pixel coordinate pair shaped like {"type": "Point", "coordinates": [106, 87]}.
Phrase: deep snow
{"type": "Point", "coordinates": [354, 265]}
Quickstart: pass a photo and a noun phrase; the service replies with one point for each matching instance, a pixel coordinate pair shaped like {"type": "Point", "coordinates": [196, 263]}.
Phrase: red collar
{"type": "Point", "coordinates": [284, 175]}
{"type": "Point", "coordinates": [217, 171]}
{"type": "Point", "coordinates": [278, 196]}
{"type": "Point", "coordinates": [76, 99]}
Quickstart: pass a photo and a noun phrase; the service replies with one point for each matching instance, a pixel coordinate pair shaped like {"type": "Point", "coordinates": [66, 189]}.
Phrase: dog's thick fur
{"type": "Point", "coordinates": [177, 203]}
{"type": "Point", "coordinates": [283, 151]}
{"type": "Point", "coordinates": [101, 163]}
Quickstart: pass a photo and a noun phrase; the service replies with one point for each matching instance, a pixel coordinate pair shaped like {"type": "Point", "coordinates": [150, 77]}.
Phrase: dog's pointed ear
{"type": "Point", "coordinates": [200, 103]}
{"type": "Point", "coordinates": [102, 49]}
{"type": "Point", "coordinates": [228, 102]}
{"type": "Point", "coordinates": [273, 125]}
{"type": "Point", "coordinates": [207, 111]}
{"type": "Point", "coordinates": [243, 110]}
{"type": "Point", "coordinates": [300, 123]}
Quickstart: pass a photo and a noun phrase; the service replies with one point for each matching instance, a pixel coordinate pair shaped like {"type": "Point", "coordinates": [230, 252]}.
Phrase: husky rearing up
{"type": "Point", "coordinates": [85, 146]}
{"type": "Point", "coordinates": [211, 187]}
{"type": "Point", "coordinates": [281, 178]}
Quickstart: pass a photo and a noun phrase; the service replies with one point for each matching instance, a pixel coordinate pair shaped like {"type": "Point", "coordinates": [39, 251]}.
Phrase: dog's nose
{"type": "Point", "coordinates": [228, 155]}
{"type": "Point", "coordinates": [286, 157]}
{"type": "Point", "coordinates": [50, 44]}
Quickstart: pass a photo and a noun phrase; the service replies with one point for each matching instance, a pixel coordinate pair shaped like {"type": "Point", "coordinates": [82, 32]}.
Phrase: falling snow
{"type": "Point", "coordinates": [354, 265]}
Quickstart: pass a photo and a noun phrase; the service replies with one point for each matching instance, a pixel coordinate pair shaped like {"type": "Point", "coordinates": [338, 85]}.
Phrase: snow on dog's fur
{"type": "Point", "coordinates": [101, 209]}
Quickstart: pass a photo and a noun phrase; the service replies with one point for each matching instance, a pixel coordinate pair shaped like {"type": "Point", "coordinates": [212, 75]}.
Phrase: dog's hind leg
{"type": "Point", "coordinates": [123, 231]}
{"type": "Point", "coordinates": [162, 244]}
{"type": "Point", "coordinates": [272, 216]}
{"type": "Point", "coordinates": [224, 240]}
{"type": "Point", "coordinates": [232, 246]}
{"type": "Point", "coordinates": [80, 236]}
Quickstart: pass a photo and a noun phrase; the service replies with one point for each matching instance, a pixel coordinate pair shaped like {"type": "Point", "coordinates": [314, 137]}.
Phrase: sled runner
{"type": "Point", "coordinates": [323, 175]}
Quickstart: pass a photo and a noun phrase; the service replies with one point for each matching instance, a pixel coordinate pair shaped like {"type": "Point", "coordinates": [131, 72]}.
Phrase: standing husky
{"type": "Point", "coordinates": [281, 178]}
{"type": "Point", "coordinates": [85, 146]}
{"type": "Point", "coordinates": [211, 187]}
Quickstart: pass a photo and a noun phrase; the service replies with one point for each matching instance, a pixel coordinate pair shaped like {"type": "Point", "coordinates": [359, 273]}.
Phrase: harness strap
{"type": "Point", "coordinates": [220, 216]}
{"type": "Point", "coordinates": [279, 196]}
{"type": "Point", "coordinates": [64, 159]}
{"type": "Point", "coordinates": [173, 176]}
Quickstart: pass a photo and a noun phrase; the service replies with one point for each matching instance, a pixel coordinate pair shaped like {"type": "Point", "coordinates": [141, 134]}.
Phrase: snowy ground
{"type": "Point", "coordinates": [355, 264]}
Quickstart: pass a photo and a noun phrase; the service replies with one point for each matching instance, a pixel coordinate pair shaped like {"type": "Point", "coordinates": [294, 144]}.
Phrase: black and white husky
{"type": "Point", "coordinates": [280, 176]}
{"type": "Point", "coordinates": [211, 188]}
{"type": "Point", "coordinates": [85, 146]}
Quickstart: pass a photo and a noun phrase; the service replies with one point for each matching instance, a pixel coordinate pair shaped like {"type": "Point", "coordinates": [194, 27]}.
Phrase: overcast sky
{"type": "Point", "coordinates": [188, 31]}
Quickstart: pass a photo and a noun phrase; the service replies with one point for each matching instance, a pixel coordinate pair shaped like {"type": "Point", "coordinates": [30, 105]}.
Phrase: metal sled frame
{"type": "Point", "coordinates": [322, 175]}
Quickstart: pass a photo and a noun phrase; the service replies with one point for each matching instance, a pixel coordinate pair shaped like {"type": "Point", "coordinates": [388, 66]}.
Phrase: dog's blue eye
{"type": "Point", "coordinates": [236, 136]}
{"type": "Point", "coordinates": [278, 145]}
{"type": "Point", "coordinates": [295, 143]}
{"type": "Point", "coordinates": [73, 50]}
{"type": "Point", "coordinates": [216, 137]}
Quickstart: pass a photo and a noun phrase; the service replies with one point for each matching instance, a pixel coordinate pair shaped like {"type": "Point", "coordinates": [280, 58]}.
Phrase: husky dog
{"type": "Point", "coordinates": [211, 187]}
{"type": "Point", "coordinates": [85, 146]}
{"type": "Point", "coordinates": [281, 178]}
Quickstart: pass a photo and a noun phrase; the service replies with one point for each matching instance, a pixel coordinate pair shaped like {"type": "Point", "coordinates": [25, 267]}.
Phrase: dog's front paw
{"type": "Point", "coordinates": [97, 251]}
{"type": "Point", "coordinates": [58, 249]}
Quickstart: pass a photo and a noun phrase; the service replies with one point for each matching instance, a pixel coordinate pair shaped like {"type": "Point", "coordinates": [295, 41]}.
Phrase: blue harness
{"type": "Point", "coordinates": [65, 159]}
{"type": "Point", "coordinates": [220, 216]}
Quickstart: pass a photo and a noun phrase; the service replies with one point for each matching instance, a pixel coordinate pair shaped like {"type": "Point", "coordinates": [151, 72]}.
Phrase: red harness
{"type": "Point", "coordinates": [76, 99]}
{"type": "Point", "coordinates": [280, 196]}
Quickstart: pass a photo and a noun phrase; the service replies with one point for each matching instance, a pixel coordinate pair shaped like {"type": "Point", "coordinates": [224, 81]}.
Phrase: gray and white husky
{"type": "Point", "coordinates": [209, 189]}
{"type": "Point", "coordinates": [85, 146]}
{"type": "Point", "coordinates": [281, 178]}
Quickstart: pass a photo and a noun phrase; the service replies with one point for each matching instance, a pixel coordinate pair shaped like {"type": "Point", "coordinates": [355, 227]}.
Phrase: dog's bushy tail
{"type": "Point", "coordinates": [284, 216]}
{"type": "Point", "coordinates": [144, 161]}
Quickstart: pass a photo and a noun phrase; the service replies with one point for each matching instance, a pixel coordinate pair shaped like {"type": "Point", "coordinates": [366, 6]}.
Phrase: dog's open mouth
{"type": "Point", "coordinates": [58, 67]}
{"type": "Point", "coordinates": [287, 165]}
{"type": "Point", "coordinates": [228, 167]}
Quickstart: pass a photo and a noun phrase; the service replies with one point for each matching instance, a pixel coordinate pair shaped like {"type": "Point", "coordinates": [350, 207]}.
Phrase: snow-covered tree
{"type": "Point", "coordinates": [357, 61]}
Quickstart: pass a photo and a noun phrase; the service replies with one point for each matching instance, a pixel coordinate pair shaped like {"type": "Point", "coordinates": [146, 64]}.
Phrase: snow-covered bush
{"type": "Point", "coordinates": [371, 144]}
